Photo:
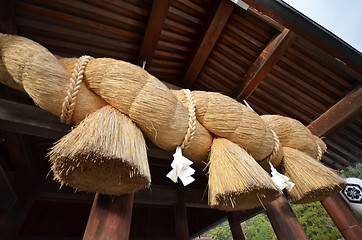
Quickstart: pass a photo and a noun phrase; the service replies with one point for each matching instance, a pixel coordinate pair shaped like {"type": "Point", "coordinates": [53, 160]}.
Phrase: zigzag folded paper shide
{"type": "Point", "coordinates": [181, 168]}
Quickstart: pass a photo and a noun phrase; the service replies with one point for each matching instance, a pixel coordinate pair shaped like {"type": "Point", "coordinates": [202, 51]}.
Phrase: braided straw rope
{"type": "Point", "coordinates": [192, 118]}
{"type": "Point", "coordinates": [71, 99]}
{"type": "Point", "coordinates": [320, 153]}
{"type": "Point", "coordinates": [275, 149]}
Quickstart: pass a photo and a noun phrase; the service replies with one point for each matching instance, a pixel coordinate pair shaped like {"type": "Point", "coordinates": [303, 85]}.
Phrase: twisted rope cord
{"type": "Point", "coordinates": [320, 153]}
{"type": "Point", "coordinates": [75, 80]}
{"type": "Point", "coordinates": [275, 149]}
{"type": "Point", "coordinates": [192, 118]}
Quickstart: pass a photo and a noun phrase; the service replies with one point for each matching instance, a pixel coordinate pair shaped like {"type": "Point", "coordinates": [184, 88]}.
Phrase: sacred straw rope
{"type": "Point", "coordinates": [71, 99]}
{"type": "Point", "coordinates": [192, 118]}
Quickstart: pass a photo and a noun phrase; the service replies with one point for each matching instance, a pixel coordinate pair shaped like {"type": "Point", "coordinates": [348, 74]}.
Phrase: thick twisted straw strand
{"type": "Point", "coordinates": [72, 94]}
{"type": "Point", "coordinates": [192, 118]}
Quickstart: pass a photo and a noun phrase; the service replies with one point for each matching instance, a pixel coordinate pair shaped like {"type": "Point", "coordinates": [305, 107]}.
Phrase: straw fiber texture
{"type": "Point", "coordinates": [43, 78]}
{"type": "Point", "coordinates": [313, 181]}
{"type": "Point", "coordinates": [292, 133]}
{"type": "Point", "coordinates": [148, 102]}
{"type": "Point", "coordinates": [225, 117]}
{"type": "Point", "coordinates": [236, 181]}
{"type": "Point", "coordinates": [105, 153]}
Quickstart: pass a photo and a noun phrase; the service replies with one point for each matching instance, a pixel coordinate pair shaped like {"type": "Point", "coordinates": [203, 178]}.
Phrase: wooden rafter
{"type": "Point", "coordinates": [7, 17]}
{"type": "Point", "coordinates": [339, 115]}
{"type": "Point", "coordinates": [157, 18]}
{"type": "Point", "coordinates": [264, 63]}
{"type": "Point", "coordinates": [214, 29]}
{"type": "Point", "coordinates": [310, 31]}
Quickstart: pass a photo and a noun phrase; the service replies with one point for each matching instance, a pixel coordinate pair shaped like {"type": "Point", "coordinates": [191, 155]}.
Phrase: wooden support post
{"type": "Point", "coordinates": [110, 218]}
{"type": "Point", "coordinates": [8, 197]}
{"type": "Point", "coordinates": [285, 223]}
{"type": "Point", "coordinates": [235, 227]}
{"type": "Point", "coordinates": [181, 223]}
{"type": "Point", "coordinates": [345, 220]}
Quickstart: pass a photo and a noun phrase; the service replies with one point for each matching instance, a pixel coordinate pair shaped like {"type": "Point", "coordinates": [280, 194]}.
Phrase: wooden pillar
{"type": "Point", "coordinates": [181, 223]}
{"type": "Point", "coordinates": [235, 227]}
{"type": "Point", "coordinates": [345, 220]}
{"type": "Point", "coordinates": [285, 223]}
{"type": "Point", "coordinates": [110, 218]}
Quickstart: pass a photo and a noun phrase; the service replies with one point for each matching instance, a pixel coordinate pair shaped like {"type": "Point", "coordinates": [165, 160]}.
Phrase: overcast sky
{"type": "Point", "coordinates": [341, 17]}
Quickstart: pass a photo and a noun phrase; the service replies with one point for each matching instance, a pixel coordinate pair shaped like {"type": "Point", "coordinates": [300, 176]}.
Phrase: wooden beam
{"type": "Point", "coordinates": [339, 115]}
{"type": "Point", "coordinates": [8, 197]}
{"type": "Point", "coordinates": [155, 23]}
{"type": "Point", "coordinates": [214, 29]}
{"type": "Point", "coordinates": [158, 195]}
{"type": "Point", "coordinates": [264, 63]}
{"type": "Point", "coordinates": [345, 220]}
{"type": "Point", "coordinates": [235, 227]}
{"type": "Point", "coordinates": [285, 224]}
{"type": "Point", "coordinates": [110, 218]}
{"type": "Point", "coordinates": [7, 17]}
{"type": "Point", "coordinates": [30, 120]}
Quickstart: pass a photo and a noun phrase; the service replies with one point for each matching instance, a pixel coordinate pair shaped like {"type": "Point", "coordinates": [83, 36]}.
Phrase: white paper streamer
{"type": "Point", "coordinates": [181, 168]}
{"type": "Point", "coordinates": [281, 180]}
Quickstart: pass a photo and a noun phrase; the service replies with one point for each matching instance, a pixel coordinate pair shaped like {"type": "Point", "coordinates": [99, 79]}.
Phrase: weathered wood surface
{"type": "Point", "coordinates": [221, 16]}
{"type": "Point", "coordinates": [285, 224]}
{"type": "Point", "coordinates": [264, 63]}
{"type": "Point", "coordinates": [339, 115]}
{"type": "Point", "coordinates": [153, 30]}
{"type": "Point", "coordinates": [110, 218]}
{"type": "Point", "coordinates": [345, 220]}
{"type": "Point", "coordinates": [181, 222]}
{"type": "Point", "coordinates": [235, 227]}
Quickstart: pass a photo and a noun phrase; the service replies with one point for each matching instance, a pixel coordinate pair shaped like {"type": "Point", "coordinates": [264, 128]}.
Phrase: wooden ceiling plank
{"type": "Point", "coordinates": [331, 145]}
{"type": "Point", "coordinates": [264, 63]}
{"type": "Point", "coordinates": [266, 86]}
{"type": "Point", "coordinates": [155, 23]}
{"type": "Point", "coordinates": [302, 85]}
{"type": "Point", "coordinates": [214, 29]}
{"type": "Point", "coordinates": [286, 108]}
{"type": "Point", "coordinates": [339, 115]}
{"type": "Point", "coordinates": [7, 17]}
{"type": "Point", "coordinates": [308, 100]}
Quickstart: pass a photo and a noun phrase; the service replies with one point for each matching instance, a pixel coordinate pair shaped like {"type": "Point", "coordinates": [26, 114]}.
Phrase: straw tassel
{"type": "Point", "coordinates": [236, 181]}
{"type": "Point", "coordinates": [313, 181]}
{"type": "Point", "coordinates": [105, 153]}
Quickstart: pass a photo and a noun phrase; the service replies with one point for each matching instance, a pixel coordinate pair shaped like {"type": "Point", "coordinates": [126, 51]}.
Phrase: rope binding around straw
{"type": "Point", "coordinates": [191, 120]}
{"type": "Point", "coordinates": [71, 99]}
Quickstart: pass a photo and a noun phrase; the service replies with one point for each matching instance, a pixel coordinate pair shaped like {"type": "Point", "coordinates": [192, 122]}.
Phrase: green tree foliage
{"type": "Point", "coordinates": [315, 221]}
{"type": "Point", "coordinates": [353, 171]}
{"type": "Point", "coordinates": [259, 228]}
{"type": "Point", "coordinates": [220, 232]}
